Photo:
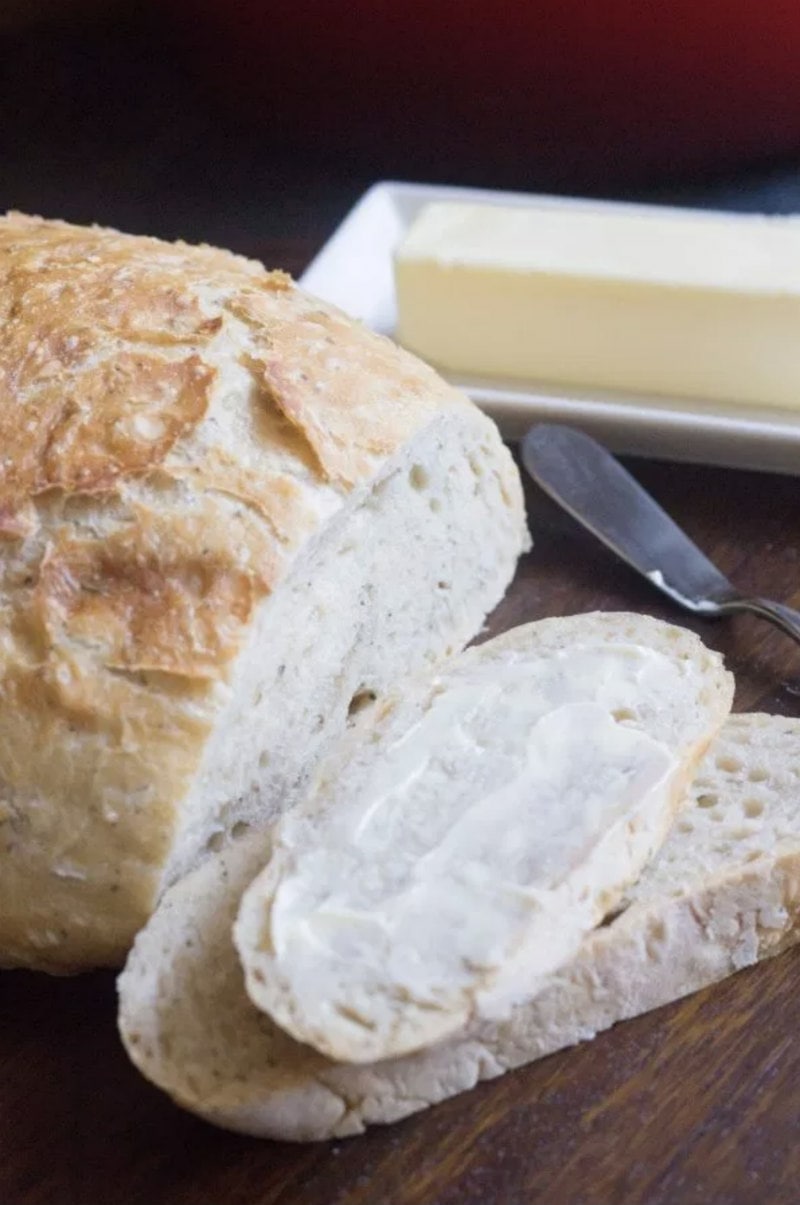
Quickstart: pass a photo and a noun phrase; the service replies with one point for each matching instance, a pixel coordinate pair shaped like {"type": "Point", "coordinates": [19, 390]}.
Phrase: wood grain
{"type": "Point", "coordinates": [698, 1102]}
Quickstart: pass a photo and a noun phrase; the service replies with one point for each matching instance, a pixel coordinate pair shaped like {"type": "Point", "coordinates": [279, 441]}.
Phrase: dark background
{"type": "Point", "coordinates": [115, 113]}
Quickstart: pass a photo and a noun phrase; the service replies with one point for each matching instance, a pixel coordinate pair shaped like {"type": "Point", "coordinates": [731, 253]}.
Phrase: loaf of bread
{"type": "Point", "coordinates": [489, 819]}
{"type": "Point", "coordinates": [722, 892]}
{"type": "Point", "coordinates": [229, 517]}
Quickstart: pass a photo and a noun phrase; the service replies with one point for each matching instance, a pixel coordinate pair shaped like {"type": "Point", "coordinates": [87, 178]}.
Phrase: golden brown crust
{"type": "Point", "coordinates": [327, 375]}
{"type": "Point", "coordinates": [147, 598]}
{"type": "Point", "coordinates": [175, 423]}
{"type": "Point", "coordinates": [88, 394]}
{"type": "Point", "coordinates": [87, 436]}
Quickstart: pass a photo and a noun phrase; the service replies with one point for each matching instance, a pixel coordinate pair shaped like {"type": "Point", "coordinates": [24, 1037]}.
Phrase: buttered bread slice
{"type": "Point", "coordinates": [723, 892]}
{"type": "Point", "coordinates": [460, 853]}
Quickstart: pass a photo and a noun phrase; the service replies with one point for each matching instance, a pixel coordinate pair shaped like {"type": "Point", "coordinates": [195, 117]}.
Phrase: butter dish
{"type": "Point", "coordinates": [355, 271]}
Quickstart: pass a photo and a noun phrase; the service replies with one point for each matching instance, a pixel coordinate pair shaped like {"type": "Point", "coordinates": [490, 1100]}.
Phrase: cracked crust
{"type": "Point", "coordinates": [176, 424]}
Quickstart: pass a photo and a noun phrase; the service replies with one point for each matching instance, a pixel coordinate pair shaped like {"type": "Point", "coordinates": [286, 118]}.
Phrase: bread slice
{"type": "Point", "coordinates": [229, 516]}
{"type": "Point", "coordinates": [458, 855]}
{"type": "Point", "coordinates": [723, 892]}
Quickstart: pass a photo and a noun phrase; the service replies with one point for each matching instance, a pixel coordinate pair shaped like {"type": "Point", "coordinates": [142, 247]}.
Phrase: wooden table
{"type": "Point", "coordinates": [696, 1103]}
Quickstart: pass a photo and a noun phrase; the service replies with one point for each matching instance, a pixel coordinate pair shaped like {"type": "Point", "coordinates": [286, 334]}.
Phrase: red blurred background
{"type": "Point", "coordinates": [244, 122]}
{"type": "Point", "coordinates": [623, 88]}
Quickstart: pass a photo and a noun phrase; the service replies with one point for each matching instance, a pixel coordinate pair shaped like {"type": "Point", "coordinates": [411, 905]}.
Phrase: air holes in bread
{"type": "Point", "coordinates": [706, 801]}
{"type": "Point", "coordinates": [757, 775]}
{"type": "Point", "coordinates": [419, 478]}
{"type": "Point", "coordinates": [215, 841]}
{"type": "Point", "coordinates": [623, 713]}
{"type": "Point", "coordinates": [730, 765]}
{"type": "Point", "coordinates": [753, 808]}
{"type": "Point", "coordinates": [360, 700]}
{"type": "Point", "coordinates": [613, 915]}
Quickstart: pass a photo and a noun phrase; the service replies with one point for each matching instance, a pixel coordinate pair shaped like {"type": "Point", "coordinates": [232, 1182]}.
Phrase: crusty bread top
{"type": "Point", "coordinates": [176, 423]}
{"type": "Point", "coordinates": [112, 349]}
{"type": "Point", "coordinates": [487, 823]}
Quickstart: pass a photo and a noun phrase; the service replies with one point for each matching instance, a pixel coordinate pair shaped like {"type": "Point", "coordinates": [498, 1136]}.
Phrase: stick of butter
{"type": "Point", "coordinates": [687, 304]}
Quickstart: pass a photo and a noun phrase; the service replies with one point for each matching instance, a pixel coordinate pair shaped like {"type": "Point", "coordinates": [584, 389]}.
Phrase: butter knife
{"type": "Point", "coordinates": [593, 487]}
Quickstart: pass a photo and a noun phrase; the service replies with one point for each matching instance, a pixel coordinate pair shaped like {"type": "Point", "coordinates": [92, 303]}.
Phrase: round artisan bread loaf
{"type": "Point", "coordinates": [229, 515]}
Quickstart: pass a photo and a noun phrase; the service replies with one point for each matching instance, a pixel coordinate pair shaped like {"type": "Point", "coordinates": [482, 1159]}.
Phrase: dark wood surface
{"type": "Point", "coordinates": [697, 1103]}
